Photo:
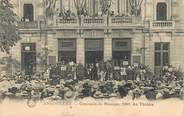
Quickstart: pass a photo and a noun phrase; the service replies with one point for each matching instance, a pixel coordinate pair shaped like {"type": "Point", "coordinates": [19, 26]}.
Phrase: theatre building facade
{"type": "Point", "coordinates": [149, 32]}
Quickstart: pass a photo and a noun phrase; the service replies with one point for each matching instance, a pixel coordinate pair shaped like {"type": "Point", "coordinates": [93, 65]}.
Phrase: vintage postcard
{"type": "Point", "coordinates": [91, 57]}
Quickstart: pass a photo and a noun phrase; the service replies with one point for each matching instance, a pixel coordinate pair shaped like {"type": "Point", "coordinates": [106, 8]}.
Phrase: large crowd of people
{"type": "Point", "coordinates": [98, 80]}
{"type": "Point", "coordinates": [101, 71]}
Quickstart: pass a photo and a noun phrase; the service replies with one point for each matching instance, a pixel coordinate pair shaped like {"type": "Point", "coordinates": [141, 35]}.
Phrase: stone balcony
{"type": "Point", "coordinates": [124, 22]}
{"type": "Point", "coordinates": [61, 22]}
{"type": "Point", "coordinates": [120, 21]}
{"type": "Point", "coordinates": [28, 25]}
{"type": "Point", "coordinates": [85, 23]}
{"type": "Point", "coordinates": [162, 25]}
{"type": "Point", "coordinates": [98, 22]}
{"type": "Point", "coordinates": [94, 21]}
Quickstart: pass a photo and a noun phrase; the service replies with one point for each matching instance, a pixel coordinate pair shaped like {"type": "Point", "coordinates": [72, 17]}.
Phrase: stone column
{"type": "Point", "coordinates": [107, 46]}
{"type": "Point", "coordinates": [80, 49]}
{"type": "Point", "coordinates": [138, 46]}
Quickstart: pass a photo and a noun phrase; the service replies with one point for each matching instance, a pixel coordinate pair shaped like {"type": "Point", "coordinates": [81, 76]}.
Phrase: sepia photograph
{"type": "Point", "coordinates": [91, 57]}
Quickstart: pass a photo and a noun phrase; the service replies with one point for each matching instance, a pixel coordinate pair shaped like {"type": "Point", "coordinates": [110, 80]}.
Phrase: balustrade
{"type": "Point", "coordinates": [28, 25]}
{"type": "Point", "coordinates": [162, 25]}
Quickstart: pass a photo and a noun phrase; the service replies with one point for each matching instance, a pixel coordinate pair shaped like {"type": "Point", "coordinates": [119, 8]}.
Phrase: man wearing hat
{"type": "Point", "coordinates": [136, 93]}
{"type": "Point", "coordinates": [80, 71]}
{"type": "Point", "coordinates": [56, 93]}
{"type": "Point", "coordinates": [44, 92]}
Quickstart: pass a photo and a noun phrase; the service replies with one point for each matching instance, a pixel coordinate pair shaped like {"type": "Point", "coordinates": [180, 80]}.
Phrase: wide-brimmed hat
{"type": "Point", "coordinates": [141, 84]}
{"type": "Point", "coordinates": [122, 83]}
{"type": "Point", "coordinates": [57, 86]}
{"type": "Point", "coordinates": [47, 85]}
{"type": "Point", "coordinates": [177, 88]}
{"type": "Point", "coordinates": [62, 81]}
{"type": "Point", "coordinates": [69, 94]}
{"type": "Point", "coordinates": [130, 81]}
{"type": "Point", "coordinates": [166, 90]}
{"type": "Point", "coordinates": [97, 93]}
{"type": "Point", "coordinates": [147, 88]}
{"type": "Point", "coordinates": [95, 86]}
{"type": "Point", "coordinates": [137, 91]}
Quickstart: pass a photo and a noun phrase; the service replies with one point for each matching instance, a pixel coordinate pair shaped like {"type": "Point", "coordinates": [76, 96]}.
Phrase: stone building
{"type": "Point", "coordinates": [149, 32]}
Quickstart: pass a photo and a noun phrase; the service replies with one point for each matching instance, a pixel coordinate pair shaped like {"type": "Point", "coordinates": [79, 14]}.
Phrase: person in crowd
{"type": "Point", "coordinates": [123, 89]}
{"type": "Point", "coordinates": [73, 71]}
{"type": "Point", "coordinates": [80, 72]}
{"type": "Point", "coordinates": [136, 93]}
{"type": "Point", "coordinates": [109, 70]}
{"type": "Point", "coordinates": [55, 95]}
{"type": "Point", "coordinates": [46, 74]}
{"type": "Point", "coordinates": [116, 71]}
{"type": "Point", "coordinates": [130, 73]}
{"type": "Point", "coordinates": [102, 71]}
{"type": "Point", "coordinates": [101, 80]}
{"type": "Point", "coordinates": [90, 66]}
{"type": "Point", "coordinates": [142, 73]}
{"type": "Point", "coordinates": [98, 70]}
{"type": "Point", "coordinates": [87, 71]}
{"type": "Point", "coordinates": [123, 72]}
{"type": "Point", "coordinates": [44, 93]}
{"type": "Point", "coordinates": [95, 72]}
{"type": "Point", "coordinates": [63, 70]}
{"type": "Point", "coordinates": [69, 71]}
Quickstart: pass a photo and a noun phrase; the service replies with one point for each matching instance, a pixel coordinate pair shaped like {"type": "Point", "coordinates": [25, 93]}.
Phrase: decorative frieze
{"type": "Point", "coordinates": [122, 33]}
{"type": "Point", "coordinates": [94, 33]}
{"type": "Point", "coordinates": [66, 34]}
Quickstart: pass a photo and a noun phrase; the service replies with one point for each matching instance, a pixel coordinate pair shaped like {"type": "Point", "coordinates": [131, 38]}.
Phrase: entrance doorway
{"type": "Point", "coordinates": [28, 58]}
{"type": "Point", "coordinates": [121, 55]}
{"type": "Point", "coordinates": [93, 56]}
{"type": "Point", "coordinates": [67, 56]}
{"type": "Point", "coordinates": [93, 51]}
{"type": "Point", "coordinates": [121, 50]}
{"type": "Point", "coordinates": [67, 50]}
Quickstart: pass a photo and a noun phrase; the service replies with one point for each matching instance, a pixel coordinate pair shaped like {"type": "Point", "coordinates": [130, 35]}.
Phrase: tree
{"type": "Point", "coordinates": [8, 29]}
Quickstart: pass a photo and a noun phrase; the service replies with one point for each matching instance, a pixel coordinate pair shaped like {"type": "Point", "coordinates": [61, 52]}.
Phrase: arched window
{"type": "Point", "coordinates": [161, 11]}
{"type": "Point", "coordinates": [28, 12]}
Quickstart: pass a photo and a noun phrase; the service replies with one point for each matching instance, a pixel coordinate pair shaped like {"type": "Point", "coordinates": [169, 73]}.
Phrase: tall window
{"type": "Point", "coordinates": [28, 58]}
{"type": "Point", "coordinates": [161, 11]}
{"type": "Point", "coordinates": [28, 12]}
{"type": "Point", "coordinates": [67, 50]}
{"type": "Point", "coordinates": [162, 54]}
{"type": "Point", "coordinates": [94, 50]}
{"type": "Point", "coordinates": [121, 50]}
